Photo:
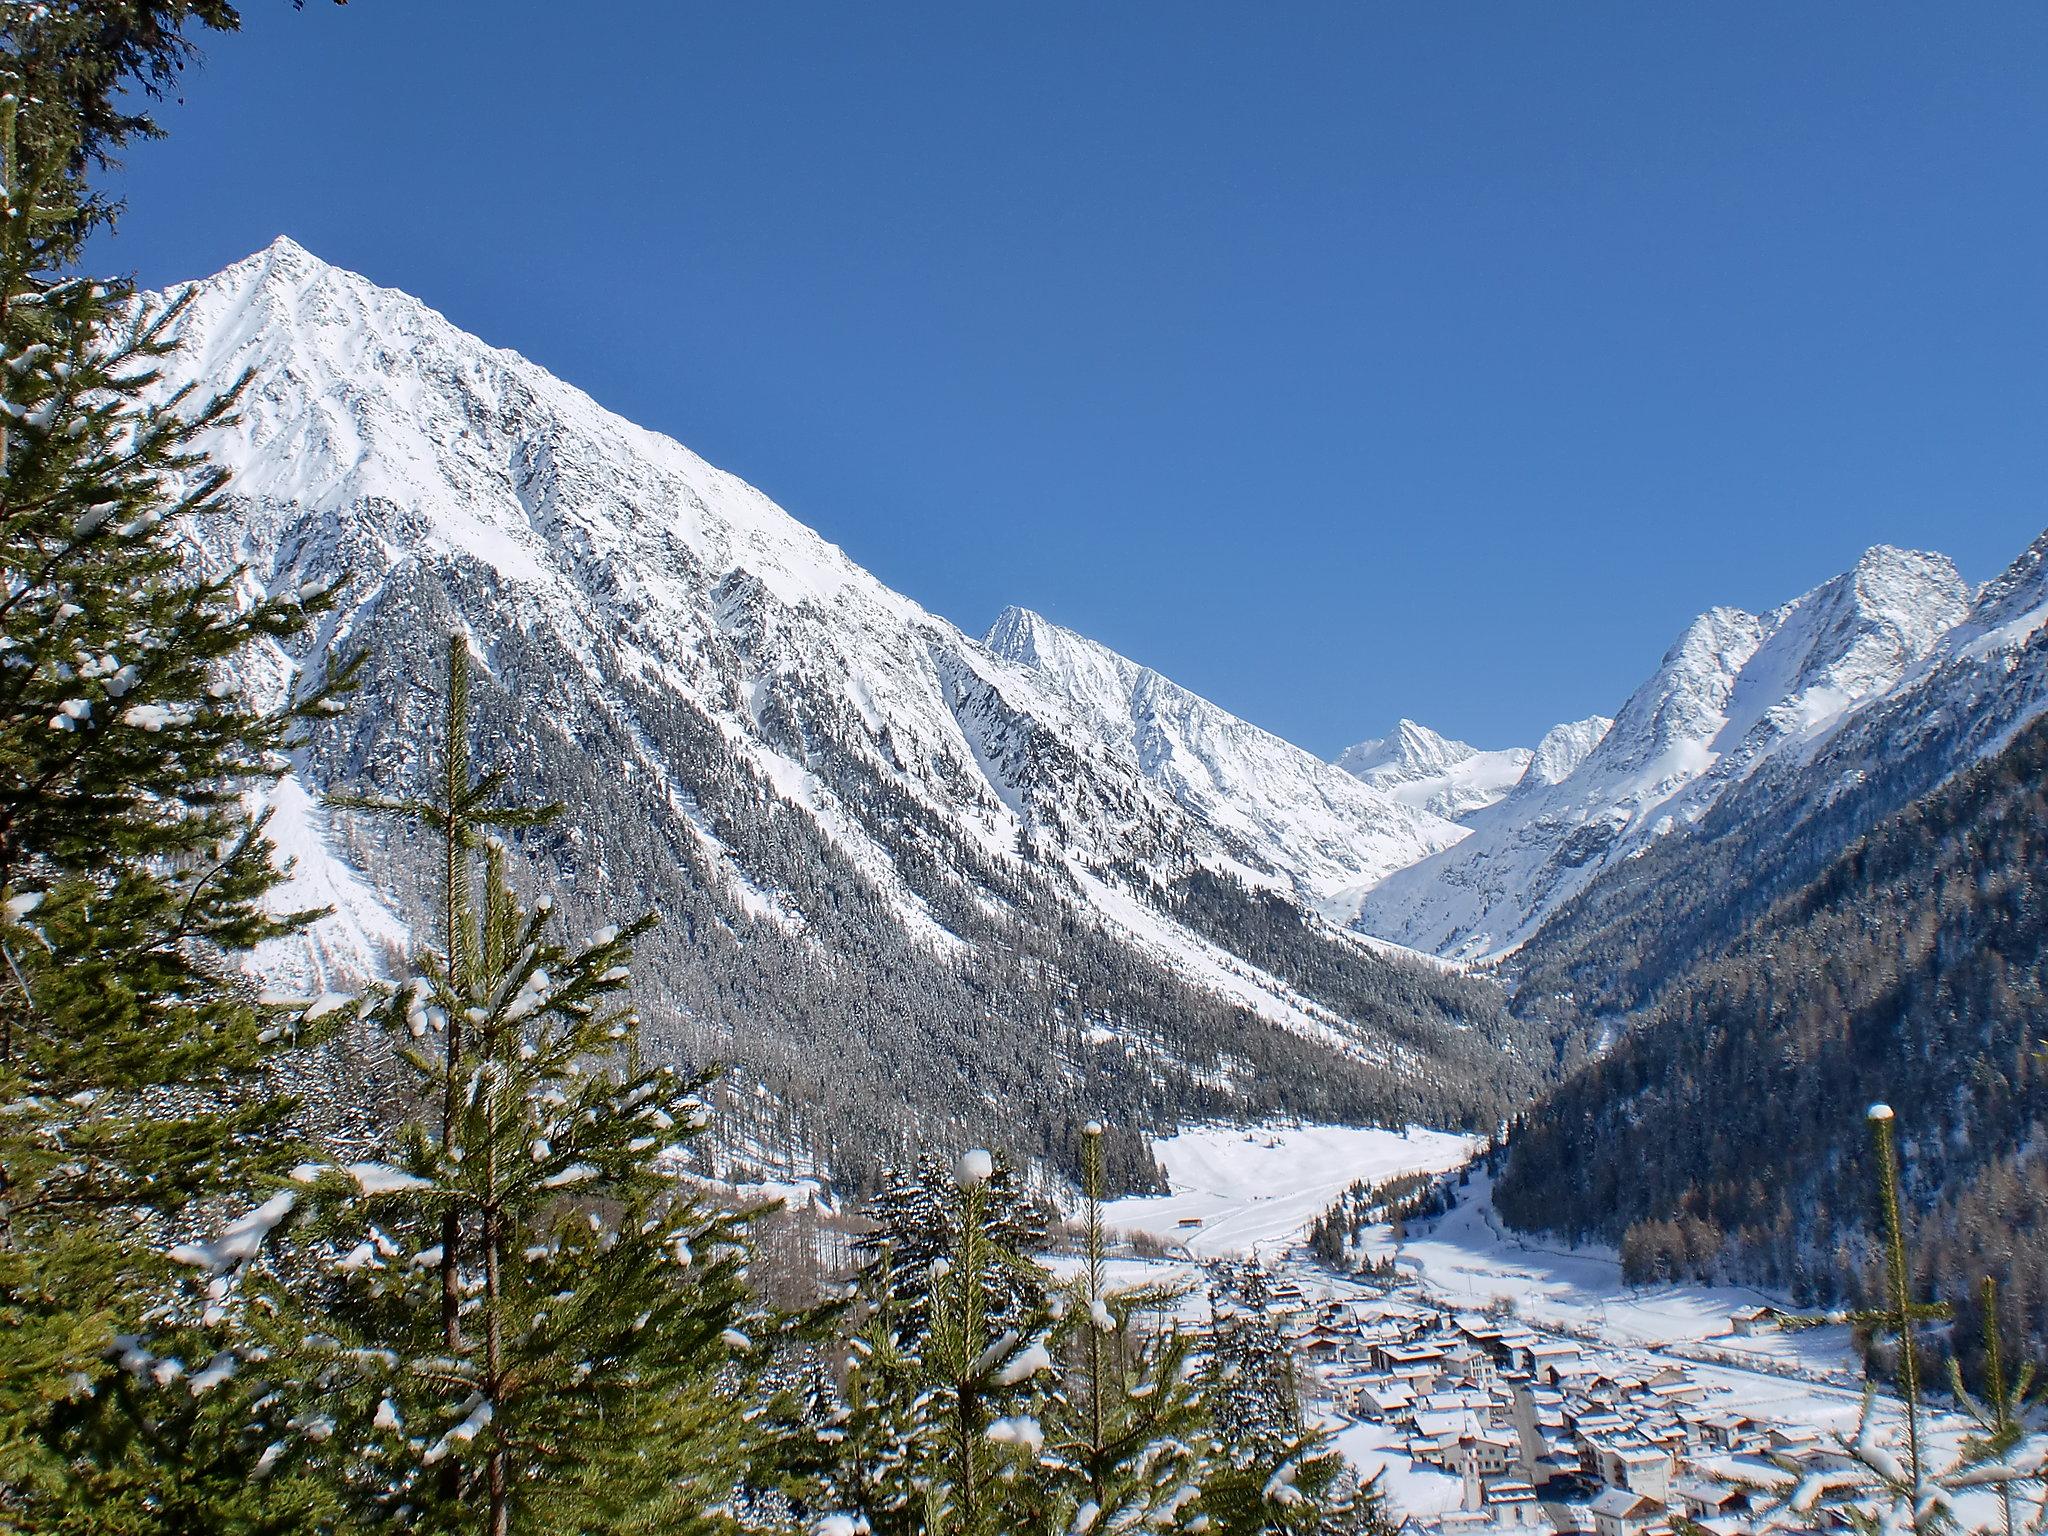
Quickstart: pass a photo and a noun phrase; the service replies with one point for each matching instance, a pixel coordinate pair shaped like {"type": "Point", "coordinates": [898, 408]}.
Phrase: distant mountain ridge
{"type": "Point", "coordinates": [1419, 768]}
{"type": "Point", "coordinates": [1321, 831]}
{"type": "Point", "coordinates": [1738, 692]}
{"type": "Point", "coordinates": [1880, 952]}
{"type": "Point", "coordinates": [1467, 854]}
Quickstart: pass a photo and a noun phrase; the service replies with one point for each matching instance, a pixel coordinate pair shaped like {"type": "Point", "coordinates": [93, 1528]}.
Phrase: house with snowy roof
{"type": "Point", "coordinates": [1747, 1322]}
{"type": "Point", "coordinates": [1703, 1498]}
{"type": "Point", "coordinates": [1634, 1466]}
{"type": "Point", "coordinates": [1730, 1431]}
{"type": "Point", "coordinates": [1547, 1359]}
{"type": "Point", "coordinates": [1497, 1504]}
{"type": "Point", "coordinates": [1382, 1398]}
{"type": "Point", "coordinates": [1618, 1512]}
{"type": "Point", "coordinates": [1488, 1454]}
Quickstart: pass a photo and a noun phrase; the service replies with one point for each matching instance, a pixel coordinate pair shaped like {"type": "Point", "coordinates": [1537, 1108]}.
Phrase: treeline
{"type": "Point", "coordinates": [1716, 1139]}
{"type": "Point", "coordinates": [1397, 1201]}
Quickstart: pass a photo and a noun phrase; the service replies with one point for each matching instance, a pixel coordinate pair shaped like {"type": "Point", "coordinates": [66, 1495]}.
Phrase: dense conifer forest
{"type": "Point", "coordinates": [1720, 1135]}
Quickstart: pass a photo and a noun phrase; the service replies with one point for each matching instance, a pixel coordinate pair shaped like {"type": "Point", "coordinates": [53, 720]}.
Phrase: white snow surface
{"type": "Point", "coordinates": [357, 940]}
{"type": "Point", "coordinates": [1254, 1190]}
{"type": "Point", "coordinates": [374, 435]}
{"type": "Point", "coordinates": [377, 438]}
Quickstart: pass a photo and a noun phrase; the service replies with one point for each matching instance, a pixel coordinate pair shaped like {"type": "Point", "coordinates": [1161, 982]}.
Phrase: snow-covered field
{"type": "Point", "coordinates": [1466, 1256]}
{"type": "Point", "coordinates": [1238, 1191]}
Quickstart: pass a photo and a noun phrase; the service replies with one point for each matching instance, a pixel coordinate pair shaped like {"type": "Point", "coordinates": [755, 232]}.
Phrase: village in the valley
{"type": "Point", "coordinates": [1541, 1431]}
{"type": "Point", "coordinates": [1494, 1386]}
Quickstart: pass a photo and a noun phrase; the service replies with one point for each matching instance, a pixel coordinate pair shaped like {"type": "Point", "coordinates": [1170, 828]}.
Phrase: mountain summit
{"type": "Point", "coordinates": [1736, 691]}
{"type": "Point", "coordinates": [1419, 768]}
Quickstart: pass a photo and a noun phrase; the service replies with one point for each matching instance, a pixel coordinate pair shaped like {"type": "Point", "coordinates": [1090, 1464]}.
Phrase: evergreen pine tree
{"type": "Point", "coordinates": [131, 868]}
{"type": "Point", "coordinates": [1129, 1434]}
{"type": "Point", "coordinates": [916, 1216]}
{"type": "Point", "coordinates": [983, 1373]}
{"type": "Point", "coordinates": [524, 1324]}
{"type": "Point", "coordinates": [880, 1431]}
{"type": "Point", "coordinates": [1914, 1495]}
{"type": "Point", "coordinates": [1994, 1454]}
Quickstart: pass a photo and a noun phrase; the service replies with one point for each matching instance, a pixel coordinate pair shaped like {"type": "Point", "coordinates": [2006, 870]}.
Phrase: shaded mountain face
{"type": "Point", "coordinates": [909, 886]}
{"type": "Point", "coordinates": [1738, 694]}
{"type": "Point", "coordinates": [1724, 1132]}
{"type": "Point", "coordinates": [1613, 946]}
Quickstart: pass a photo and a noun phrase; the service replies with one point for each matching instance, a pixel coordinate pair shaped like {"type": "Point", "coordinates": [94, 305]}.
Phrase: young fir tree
{"type": "Point", "coordinates": [916, 1220]}
{"type": "Point", "coordinates": [985, 1373]}
{"type": "Point", "coordinates": [1128, 1436]}
{"type": "Point", "coordinates": [1995, 1454]}
{"type": "Point", "coordinates": [947, 1371]}
{"type": "Point", "coordinates": [1274, 1474]}
{"type": "Point", "coordinates": [1890, 1494]}
{"type": "Point", "coordinates": [877, 1427]}
{"type": "Point", "coordinates": [131, 869]}
{"type": "Point", "coordinates": [524, 1324]}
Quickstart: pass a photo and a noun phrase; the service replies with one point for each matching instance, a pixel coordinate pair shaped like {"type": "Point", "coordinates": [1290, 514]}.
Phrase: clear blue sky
{"type": "Point", "coordinates": [1340, 360]}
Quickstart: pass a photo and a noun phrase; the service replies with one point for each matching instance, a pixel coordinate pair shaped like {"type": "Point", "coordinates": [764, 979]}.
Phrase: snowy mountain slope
{"type": "Point", "coordinates": [871, 837]}
{"type": "Point", "coordinates": [1736, 692]}
{"type": "Point", "coordinates": [1429, 772]}
{"type": "Point", "coordinates": [359, 939]}
{"type": "Point", "coordinates": [1286, 813]}
{"type": "Point", "coordinates": [1677, 904]}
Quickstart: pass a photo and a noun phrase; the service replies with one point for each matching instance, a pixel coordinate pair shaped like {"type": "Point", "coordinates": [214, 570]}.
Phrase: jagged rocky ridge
{"type": "Point", "coordinates": [1654, 916]}
{"type": "Point", "coordinates": [1743, 701]}
{"type": "Point", "coordinates": [905, 883]}
{"type": "Point", "coordinates": [1316, 829]}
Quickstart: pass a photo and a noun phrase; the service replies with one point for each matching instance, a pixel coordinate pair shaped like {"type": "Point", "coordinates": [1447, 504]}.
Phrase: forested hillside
{"type": "Point", "coordinates": [1723, 1132]}
{"type": "Point", "coordinates": [1684, 898]}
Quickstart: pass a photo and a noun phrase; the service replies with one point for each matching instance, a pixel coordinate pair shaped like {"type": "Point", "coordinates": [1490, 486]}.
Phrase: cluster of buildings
{"type": "Point", "coordinates": [1545, 1433]}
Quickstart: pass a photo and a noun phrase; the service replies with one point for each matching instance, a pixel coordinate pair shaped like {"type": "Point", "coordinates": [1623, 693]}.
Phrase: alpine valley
{"type": "Point", "coordinates": [911, 880]}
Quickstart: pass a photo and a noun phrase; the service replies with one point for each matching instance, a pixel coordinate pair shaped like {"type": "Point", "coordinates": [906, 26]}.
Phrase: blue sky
{"type": "Point", "coordinates": [1342, 361]}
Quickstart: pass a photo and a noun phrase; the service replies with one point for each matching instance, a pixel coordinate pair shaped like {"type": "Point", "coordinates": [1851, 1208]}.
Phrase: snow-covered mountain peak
{"type": "Point", "coordinates": [1849, 638]}
{"type": "Point", "coordinates": [1084, 670]}
{"type": "Point", "coordinates": [808, 774]}
{"type": "Point", "coordinates": [1421, 768]}
{"type": "Point", "coordinates": [1681, 706]}
{"type": "Point", "coordinates": [1409, 749]}
{"type": "Point", "coordinates": [1562, 749]}
{"type": "Point", "coordinates": [1736, 690]}
{"type": "Point", "coordinates": [363, 393]}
